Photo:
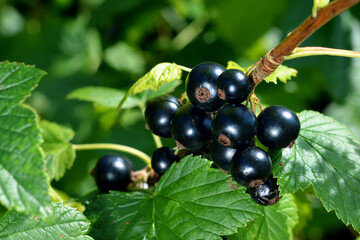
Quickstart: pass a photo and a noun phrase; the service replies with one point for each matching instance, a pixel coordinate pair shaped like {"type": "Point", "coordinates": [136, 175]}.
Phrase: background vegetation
{"type": "Point", "coordinates": [112, 43]}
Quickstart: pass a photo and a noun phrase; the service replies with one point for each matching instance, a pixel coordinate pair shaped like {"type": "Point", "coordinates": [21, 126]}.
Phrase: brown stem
{"type": "Point", "coordinates": [275, 56]}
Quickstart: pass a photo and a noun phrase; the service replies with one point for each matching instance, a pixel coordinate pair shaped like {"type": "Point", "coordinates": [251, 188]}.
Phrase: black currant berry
{"type": "Point", "coordinates": [112, 172]}
{"type": "Point", "coordinates": [278, 126]}
{"type": "Point", "coordinates": [233, 86]}
{"type": "Point", "coordinates": [251, 166]}
{"type": "Point", "coordinates": [234, 126]}
{"type": "Point", "coordinates": [221, 155]}
{"type": "Point", "coordinates": [159, 113]}
{"type": "Point", "coordinates": [191, 127]}
{"type": "Point", "coordinates": [201, 86]}
{"type": "Point", "coordinates": [162, 158]}
{"type": "Point", "coordinates": [266, 193]}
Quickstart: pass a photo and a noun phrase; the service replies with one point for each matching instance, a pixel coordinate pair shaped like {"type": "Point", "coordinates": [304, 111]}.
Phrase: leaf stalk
{"type": "Point", "coordinates": [117, 147]}
{"type": "Point", "coordinates": [317, 51]}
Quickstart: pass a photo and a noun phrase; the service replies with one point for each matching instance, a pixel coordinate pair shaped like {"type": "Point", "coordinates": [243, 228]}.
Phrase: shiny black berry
{"type": "Point", "coordinates": [201, 86]}
{"type": "Point", "coordinates": [159, 113]}
{"type": "Point", "coordinates": [191, 127]}
{"type": "Point", "coordinates": [234, 126]}
{"type": "Point", "coordinates": [112, 172]}
{"type": "Point", "coordinates": [221, 155]}
{"type": "Point", "coordinates": [266, 193]}
{"type": "Point", "coordinates": [278, 126]}
{"type": "Point", "coordinates": [233, 86]}
{"type": "Point", "coordinates": [250, 167]}
{"type": "Point", "coordinates": [162, 158]}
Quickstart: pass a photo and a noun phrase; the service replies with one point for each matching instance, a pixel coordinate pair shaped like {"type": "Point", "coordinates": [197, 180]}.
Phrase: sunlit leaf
{"type": "Point", "coordinates": [327, 156]}
{"type": "Point", "coordinates": [23, 184]}
{"type": "Point", "coordinates": [158, 75]}
{"type": "Point", "coordinates": [191, 201]}
{"type": "Point", "coordinates": [283, 73]}
{"type": "Point", "coordinates": [154, 79]}
{"type": "Point", "coordinates": [276, 223]}
{"type": "Point", "coordinates": [64, 223]}
{"type": "Point", "coordinates": [234, 65]}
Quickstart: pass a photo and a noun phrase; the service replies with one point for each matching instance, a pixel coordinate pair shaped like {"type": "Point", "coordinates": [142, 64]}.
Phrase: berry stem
{"type": "Point", "coordinates": [248, 99]}
{"type": "Point", "coordinates": [117, 147]}
{"type": "Point", "coordinates": [275, 56]}
{"type": "Point", "coordinates": [253, 106]}
{"type": "Point", "coordinates": [157, 139]}
{"type": "Point", "coordinates": [315, 51]}
{"type": "Point", "coordinates": [257, 100]}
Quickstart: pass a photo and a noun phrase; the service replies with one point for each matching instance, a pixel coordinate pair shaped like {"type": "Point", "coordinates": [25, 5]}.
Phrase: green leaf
{"type": "Point", "coordinates": [276, 223]}
{"type": "Point", "coordinates": [164, 89]}
{"type": "Point", "coordinates": [102, 96]}
{"type": "Point", "coordinates": [23, 184]}
{"type": "Point", "coordinates": [154, 79]}
{"type": "Point", "coordinates": [123, 57]}
{"type": "Point", "coordinates": [58, 149]}
{"type": "Point", "coordinates": [158, 75]}
{"type": "Point", "coordinates": [327, 156]}
{"type": "Point", "coordinates": [120, 215]}
{"type": "Point", "coordinates": [16, 82]}
{"type": "Point", "coordinates": [283, 73]}
{"type": "Point", "coordinates": [234, 65]}
{"type": "Point", "coordinates": [81, 49]}
{"type": "Point", "coordinates": [64, 223]}
{"type": "Point", "coordinates": [191, 201]}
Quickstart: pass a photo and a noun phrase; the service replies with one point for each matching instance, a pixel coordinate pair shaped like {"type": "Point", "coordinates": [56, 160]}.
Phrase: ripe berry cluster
{"type": "Point", "coordinates": [217, 125]}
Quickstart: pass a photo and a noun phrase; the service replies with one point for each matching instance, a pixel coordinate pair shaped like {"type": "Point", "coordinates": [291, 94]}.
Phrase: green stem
{"type": "Point", "coordinates": [117, 147]}
{"type": "Point", "coordinates": [157, 139]}
{"type": "Point", "coordinates": [185, 68]}
{"type": "Point", "coordinates": [189, 33]}
{"type": "Point", "coordinates": [315, 51]}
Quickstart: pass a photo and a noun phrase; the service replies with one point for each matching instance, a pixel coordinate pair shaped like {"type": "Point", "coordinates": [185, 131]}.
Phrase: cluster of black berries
{"type": "Point", "coordinates": [217, 124]}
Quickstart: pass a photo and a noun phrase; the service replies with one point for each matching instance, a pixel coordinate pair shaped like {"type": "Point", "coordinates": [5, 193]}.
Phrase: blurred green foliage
{"type": "Point", "coordinates": [112, 43]}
